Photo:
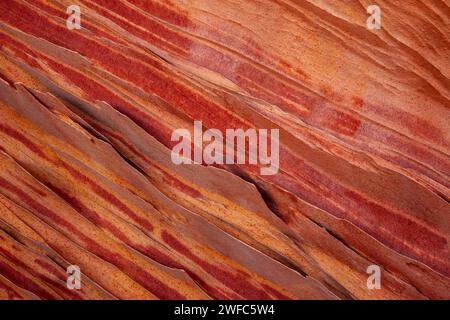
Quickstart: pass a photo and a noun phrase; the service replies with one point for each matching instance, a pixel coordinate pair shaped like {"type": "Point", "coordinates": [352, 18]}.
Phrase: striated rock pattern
{"type": "Point", "coordinates": [86, 176]}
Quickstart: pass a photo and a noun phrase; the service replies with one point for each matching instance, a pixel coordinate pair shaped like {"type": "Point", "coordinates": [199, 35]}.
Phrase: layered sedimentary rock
{"type": "Point", "coordinates": [87, 179]}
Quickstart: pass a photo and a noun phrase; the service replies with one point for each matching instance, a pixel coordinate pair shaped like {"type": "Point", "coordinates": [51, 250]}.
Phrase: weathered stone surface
{"type": "Point", "coordinates": [86, 176]}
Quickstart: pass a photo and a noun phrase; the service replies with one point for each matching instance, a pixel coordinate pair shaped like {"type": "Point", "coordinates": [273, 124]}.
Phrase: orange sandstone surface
{"type": "Point", "coordinates": [87, 179]}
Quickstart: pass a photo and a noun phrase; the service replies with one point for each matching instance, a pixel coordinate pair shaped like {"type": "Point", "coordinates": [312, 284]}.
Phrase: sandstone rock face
{"type": "Point", "coordinates": [87, 176]}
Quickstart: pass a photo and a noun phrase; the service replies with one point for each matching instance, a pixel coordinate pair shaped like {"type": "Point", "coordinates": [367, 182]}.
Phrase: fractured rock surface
{"type": "Point", "coordinates": [86, 176]}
